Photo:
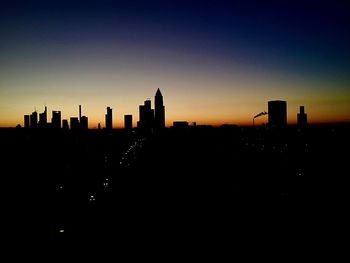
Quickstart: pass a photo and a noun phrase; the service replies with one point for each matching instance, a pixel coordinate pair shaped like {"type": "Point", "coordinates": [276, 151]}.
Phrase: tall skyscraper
{"type": "Point", "coordinates": [26, 121]}
{"type": "Point", "coordinates": [146, 115]}
{"type": "Point", "coordinates": [43, 118]}
{"type": "Point", "coordinates": [34, 120]}
{"type": "Point", "coordinates": [302, 118]}
{"type": "Point", "coordinates": [83, 121]}
{"type": "Point", "coordinates": [56, 119]}
{"type": "Point", "coordinates": [80, 113]}
{"type": "Point", "coordinates": [277, 113]}
{"type": "Point", "coordinates": [109, 123]}
{"type": "Point", "coordinates": [128, 122]}
{"type": "Point", "coordinates": [84, 125]}
{"type": "Point", "coordinates": [159, 110]}
{"type": "Point", "coordinates": [74, 123]}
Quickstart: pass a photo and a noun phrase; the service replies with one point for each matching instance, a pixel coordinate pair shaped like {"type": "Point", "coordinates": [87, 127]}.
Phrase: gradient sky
{"type": "Point", "coordinates": [215, 62]}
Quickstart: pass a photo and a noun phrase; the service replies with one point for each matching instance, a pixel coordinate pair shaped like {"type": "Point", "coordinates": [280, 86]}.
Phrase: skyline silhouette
{"type": "Point", "coordinates": [155, 118]}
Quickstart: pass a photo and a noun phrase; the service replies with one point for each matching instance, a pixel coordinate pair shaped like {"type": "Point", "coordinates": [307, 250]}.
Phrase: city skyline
{"type": "Point", "coordinates": [216, 63]}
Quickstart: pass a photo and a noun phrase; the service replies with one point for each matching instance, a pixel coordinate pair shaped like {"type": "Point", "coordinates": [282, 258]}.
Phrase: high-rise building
{"type": "Point", "coordinates": [26, 121]}
{"type": "Point", "coordinates": [65, 125]}
{"type": "Point", "coordinates": [277, 111]}
{"type": "Point", "coordinates": [159, 110]}
{"type": "Point", "coordinates": [83, 120]}
{"type": "Point", "coordinates": [84, 123]}
{"type": "Point", "coordinates": [128, 122]}
{"type": "Point", "coordinates": [34, 120]}
{"type": "Point", "coordinates": [109, 122]}
{"type": "Point", "coordinates": [43, 118]}
{"type": "Point", "coordinates": [56, 119]}
{"type": "Point", "coordinates": [302, 118]}
{"type": "Point", "coordinates": [74, 123]}
{"type": "Point", "coordinates": [146, 115]}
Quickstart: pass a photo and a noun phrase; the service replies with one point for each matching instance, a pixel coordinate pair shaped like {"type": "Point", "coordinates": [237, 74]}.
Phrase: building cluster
{"type": "Point", "coordinates": [153, 119]}
{"type": "Point", "coordinates": [148, 118]}
{"type": "Point", "coordinates": [277, 115]}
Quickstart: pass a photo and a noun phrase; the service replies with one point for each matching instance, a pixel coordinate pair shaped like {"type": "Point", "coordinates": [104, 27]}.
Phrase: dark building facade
{"type": "Point", "coordinates": [128, 122]}
{"type": "Point", "coordinates": [65, 125]}
{"type": "Point", "coordinates": [302, 118]}
{"type": "Point", "coordinates": [26, 121]}
{"type": "Point", "coordinates": [109, 122]}
{"type": "Point", "coordinates": [34, 120]}
{"type": "Point", "coordinates": [74, 123]}
{"type": "Point", "coordinates": [56, 119]}
{"type": "Point", "coordinates": [84, 125]}
{"type": "Point", "coordinates": [277, 111]}
{"type": "Point", "coordinates": [146, 115]}
{"type": "Point", "coordinates": [159, 110]}
{"type": "Point", "coordinates": [43, 118]}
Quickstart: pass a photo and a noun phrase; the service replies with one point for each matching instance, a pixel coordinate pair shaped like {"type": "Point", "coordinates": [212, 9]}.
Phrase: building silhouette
{"type": "Point", "coordinates": [180, 124]}
{"type": "Point", "coordinates": [109, 122]}
{"type": "Point", "coordinates": [159, 110]}
{"type": "Point", "coordinates": [56, 119]}
{"type": "Point", "coordinates": [74, 123]}
{"type": "Point", "coordinates": [302, 118]}
{"type": "Point", "coordinates": [83, 121]}
{"type": "Point", "coordinates": [34, 120]}
{"type": "Point", "coordinates": [277, 111]}
{"type": "Point", "coordinates": [84, 125]}
{"type": "Point", "coordinates": [43, 118]}
{"type": "Point", "coordinates": [146, 116]}
{"type": "Point", "coordinates": [65, 125]}
{"type": "Point", "coordinates": [128, 122]}
{"type": "Point", "coordinates": [79, 113]}
{"type": "Point", "coordinates": [26, 121]}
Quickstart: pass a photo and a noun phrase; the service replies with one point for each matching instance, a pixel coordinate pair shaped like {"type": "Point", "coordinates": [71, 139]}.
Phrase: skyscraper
{"type": "Point", "coordinates": [302, 118]}
{"type": "Point", "coordinates": [34, 120]}
{"type": "Point", "coordinates": [74, 123]}
{"type": "Point", "coordinates": [84, 123]}
{"type": "Point", "coordinates": [159, 110]}
{"type": "Point", "coordinates": [146, 115]}
{"type": "Point", "coordinates": [56, 119]}
{"type": "Point", "coordinates": [43, 118]}
{"type": "Point", "coordinates": [26, 122]}
{"type": "Point", "coordinates": [109, 123]}
{"type": "Point", "coordinates": [277, 113]}
{"type": "Point", "coordinates": [128, 122]}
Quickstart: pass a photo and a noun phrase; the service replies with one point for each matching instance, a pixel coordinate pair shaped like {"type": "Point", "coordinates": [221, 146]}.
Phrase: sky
{"type": "Point", "coordinates": [215, 62]}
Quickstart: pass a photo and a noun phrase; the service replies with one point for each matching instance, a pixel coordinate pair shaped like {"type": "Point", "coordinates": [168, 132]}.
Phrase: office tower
{"type": "Point", "coordinates": [159, 110]}
{"type": "Point", "coordinates": [74, 123]}
{"type": "Point", "coordinates": [146, 115]}
{"type": "Point", "coordinates": [43, 119]}
{"type": "Point", "coordinates": [128, 122]}
{"type": "Point", "coordinates": [277, 111]}
{"type": "Point", "coordinates": [84, 122]}
{"type": "Point", "coordinates": [26, 121]}
{"type": "Point", "coordinates": [302, 118]}
{"type": "Point", "coordinates": [56, 119]}
{"type": "Point", "coordinates": [65, 125]}
{"type": "Point", "coordinates": [34, 120]}
{"type": "Point", "coordinates": [80, 113]}
{"type": "Point", "coordinates": [109, 123]}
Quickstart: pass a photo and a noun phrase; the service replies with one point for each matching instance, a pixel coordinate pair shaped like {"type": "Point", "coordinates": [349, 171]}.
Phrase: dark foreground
{"type": "Point", "coordinates": [175, 189]}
